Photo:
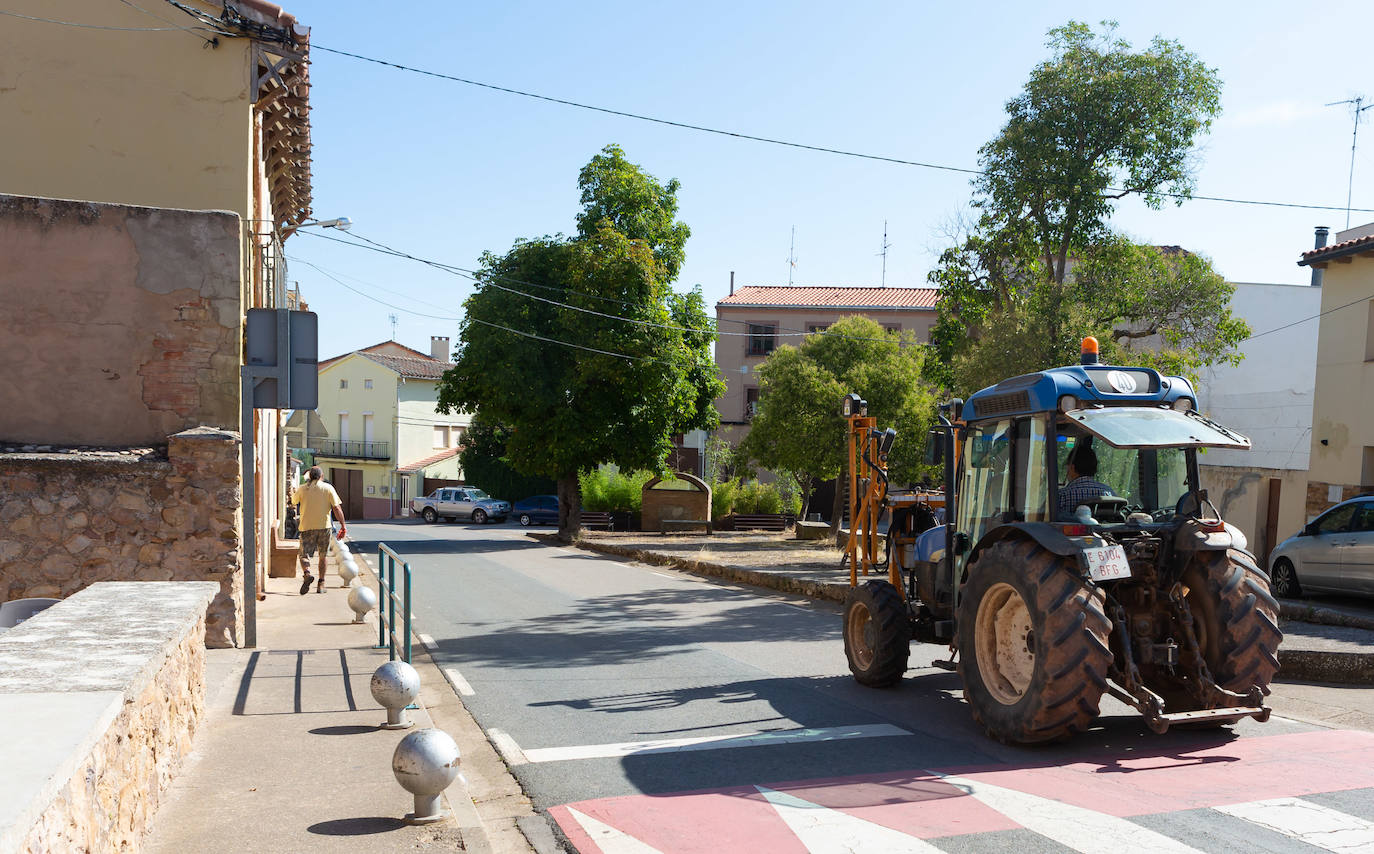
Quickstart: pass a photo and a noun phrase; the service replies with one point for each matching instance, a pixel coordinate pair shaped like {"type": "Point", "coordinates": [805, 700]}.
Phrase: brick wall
{"type": "Point", "coordinates": [1319, 495]}
{"type": "Point", "coordinates": [70, 519]}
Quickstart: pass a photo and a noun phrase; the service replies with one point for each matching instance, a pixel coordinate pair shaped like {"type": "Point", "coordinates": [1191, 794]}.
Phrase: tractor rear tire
{"type": "Point", "coordinates": [1033, 644]}
{"type": "Point", "coordinates": [877, 634]}
{"type": "Point", "coordinates": [1235, 619]}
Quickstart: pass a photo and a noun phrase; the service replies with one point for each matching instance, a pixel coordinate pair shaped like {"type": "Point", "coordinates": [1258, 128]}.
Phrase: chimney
{"type": "Point", "coordinates": [732, 283]}
{"type": "Point", "coordinates": [1322, 231]}
{"type": "Point", "coordinates": [438, 347]}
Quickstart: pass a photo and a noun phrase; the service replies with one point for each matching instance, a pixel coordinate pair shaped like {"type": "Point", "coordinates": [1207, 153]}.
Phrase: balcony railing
{"type": "Point", "coordinates": [351, 449]}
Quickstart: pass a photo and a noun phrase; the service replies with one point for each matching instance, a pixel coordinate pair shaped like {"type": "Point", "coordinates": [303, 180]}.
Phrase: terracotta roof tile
{"type": "Point", "coordinates": [832, 297]}
{"type": "Point", "coordinates": [411, 367]}
{"type": "Point", "coordinates": [1345, 247]}
{"type": "Point", "coordinates": [429, 461]}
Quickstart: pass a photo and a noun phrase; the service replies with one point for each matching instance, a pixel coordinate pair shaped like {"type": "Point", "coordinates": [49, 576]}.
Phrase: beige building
{"type": "Point", "coordinates": [376, 433]}
{"type": "Point", "coordinates": [1342, 457]}
{"type": "Point", "coordinates": [755, 319]}
{"type": "Point", "coordinates": [201, 106]}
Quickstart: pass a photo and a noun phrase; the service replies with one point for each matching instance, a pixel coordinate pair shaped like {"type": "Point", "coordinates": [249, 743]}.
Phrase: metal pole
{"type": "Point", "coordinates": [382, 558]}
{"type": "Point", "coordinates": [250, 540]}
{"type": "Point", "coordinates": [391, 607]}
{"type": "Point", "coordinates": [406, 567]}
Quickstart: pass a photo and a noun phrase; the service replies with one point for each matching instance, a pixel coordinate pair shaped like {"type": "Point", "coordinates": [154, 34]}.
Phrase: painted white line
{"type": "Point", "coordinates": [458, 682]}
{"type": "Point", "coordinates": [664, 575]}
{"type": "Point", "coordinates": [610, 840]}
{"type": "Point", "coordinates": [824, 830]}
{"type": "Point", "coordinates": [506, 746]}
{"type": "Point", "coordinates": [711, 742]}
{"type": "Point", "coordinates": [1081, 829]}
{"type": "Point", "coordinates": [428, 642]}
{"type": "Point", "coordinates": [1308, 822]}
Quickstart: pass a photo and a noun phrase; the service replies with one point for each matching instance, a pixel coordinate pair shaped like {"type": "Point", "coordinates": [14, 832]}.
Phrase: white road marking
{"type": "Point", "coordinates": [710, 742]}
{"type": "Point", "coordinates": [610, 840]}
{"type": "Point", "coordinates": [824, 830]}
{"type": "Point", "coordinates": [1308, 822]}
{"type": "Point", "coordinates": [509, 750]}
{"type": "Point", "coordinates": [428, 641]}
{"type": "Point", "coordinates": [664, 575]}
{"type": "Point", "coordinates": [1081, 829]}
{"type": "Point", "coordinates": [458, 682]}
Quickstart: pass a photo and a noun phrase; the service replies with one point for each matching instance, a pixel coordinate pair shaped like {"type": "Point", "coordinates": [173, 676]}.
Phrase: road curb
{"type": "Point", "coordinates": [1296, 664]}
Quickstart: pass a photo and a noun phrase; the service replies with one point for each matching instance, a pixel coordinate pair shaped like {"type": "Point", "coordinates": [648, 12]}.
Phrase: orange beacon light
{"type": "Point", "coordinates": [1089, 356]}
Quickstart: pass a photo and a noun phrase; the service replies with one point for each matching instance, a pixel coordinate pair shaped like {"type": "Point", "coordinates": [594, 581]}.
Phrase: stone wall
{"type": "Point", "coordinates": [108, 688]}
{"type": "Point", "coordinates": [121, 324]}
{"type": "Point", "coordinates": [685, 497]}
{"type": "Point", "coordinates": [1323, 496]}
{"type": "Point", "coordinates": [70, 519]}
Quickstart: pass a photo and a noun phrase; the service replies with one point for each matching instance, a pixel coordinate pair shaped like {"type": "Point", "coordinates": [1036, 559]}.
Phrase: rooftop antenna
{"type": "Point", "coordinates": [792, 256]}
{"type": "Point", "coordinates": [393, 326]}
{"type": "Point", "coordinates": [1356, 107]}
{"type": "Point", "coordinates": [883, 253]}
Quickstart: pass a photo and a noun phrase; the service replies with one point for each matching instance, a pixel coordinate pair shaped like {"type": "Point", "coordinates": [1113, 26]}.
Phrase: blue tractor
{"type": "Point", "coordinates": [1078, 556]}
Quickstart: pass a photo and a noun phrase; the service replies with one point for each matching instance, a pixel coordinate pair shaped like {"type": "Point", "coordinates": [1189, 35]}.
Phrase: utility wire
{"type": "Point", "coordinates": [788, 143]}
{"type": "Point", "coordinates": [1305, 319]}
{"type": "Point", "coordinates": [93, 26]}
{"type": "Point", "coordinates": [485, 280]}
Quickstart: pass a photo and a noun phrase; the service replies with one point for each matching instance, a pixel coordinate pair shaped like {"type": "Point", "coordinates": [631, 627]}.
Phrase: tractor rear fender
{"type": "Point", "coordinates": [1048, 536]}
{"type": "Point", "coordinates": [1192, 536]}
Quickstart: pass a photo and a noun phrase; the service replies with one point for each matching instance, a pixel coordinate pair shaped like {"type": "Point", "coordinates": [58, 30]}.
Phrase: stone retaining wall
{"type": "Point", "coordinates": [108, 689]}
{"type": "Point", "coordinates": [71, 519]}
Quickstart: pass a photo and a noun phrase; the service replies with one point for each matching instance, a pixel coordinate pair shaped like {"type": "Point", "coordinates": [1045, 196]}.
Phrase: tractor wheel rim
{"type": "Point", "coordinates": [860, 630]}
{"type": "Point", "coordinates": [1004, 642]}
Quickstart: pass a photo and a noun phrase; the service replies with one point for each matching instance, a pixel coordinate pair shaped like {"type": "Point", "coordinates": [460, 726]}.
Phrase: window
{"type": "Point", "coordinates": [1337, 520]}
{"type": "Point", "coordinates": [343, 426]}
{"type": "Point", "coordinates": [367, 383]}
{"type": "Point", "coordinates": [1364, 517]}
{"type": "Point", "coordinates": [892, 327]}
{"type": "Point", "coordinates": [762, 339]}
{"type": "Point", "coordinates": [440, 437]}
{"type": "Point", "coordinates": [457, 434]}
{"type": "Point", "coordinates": [751, 403]}
{"type": "Point", "coordinates": [343, 383]}
{"type": "Point", "coordinates": [813, 328]}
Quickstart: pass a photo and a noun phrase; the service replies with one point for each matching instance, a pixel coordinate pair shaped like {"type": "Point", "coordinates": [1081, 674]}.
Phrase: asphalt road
{"type": "Point", "coordinates": [649, 710]}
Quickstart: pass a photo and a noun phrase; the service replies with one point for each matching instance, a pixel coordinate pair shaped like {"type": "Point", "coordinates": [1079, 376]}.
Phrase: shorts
{"type": "Point", "coordinates": [316, 540]}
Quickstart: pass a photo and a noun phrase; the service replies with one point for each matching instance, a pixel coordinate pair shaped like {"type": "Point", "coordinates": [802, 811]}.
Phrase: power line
{"type": "Point", "coordinates": [1305, 319]}
{"type": "Point", "coordinates": [93, 26]}
{"type": "Point", "coordinates": [787, 143]}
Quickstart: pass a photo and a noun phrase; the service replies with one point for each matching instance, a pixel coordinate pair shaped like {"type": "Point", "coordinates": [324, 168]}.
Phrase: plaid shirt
{"type": "Point", "coordinates": [1081, 490]}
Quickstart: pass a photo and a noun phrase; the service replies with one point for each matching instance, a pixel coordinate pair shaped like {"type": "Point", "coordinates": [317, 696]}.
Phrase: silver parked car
{"type": "Point", "coordinates": [460, 502]}
{"type": "Point", "coordinates": [1333, 553]}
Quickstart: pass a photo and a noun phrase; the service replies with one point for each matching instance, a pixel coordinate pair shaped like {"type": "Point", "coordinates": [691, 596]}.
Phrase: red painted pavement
{"type": "Point", "coordinates": [920, 804]}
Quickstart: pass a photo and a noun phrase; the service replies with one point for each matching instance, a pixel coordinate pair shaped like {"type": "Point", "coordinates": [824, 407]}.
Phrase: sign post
{"type": "Point", "coordinates": [280, 372]}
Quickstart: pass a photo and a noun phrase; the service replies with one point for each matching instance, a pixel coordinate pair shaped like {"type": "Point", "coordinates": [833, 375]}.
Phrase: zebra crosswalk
{"type": "Point", "coordinates": [1300, 792]}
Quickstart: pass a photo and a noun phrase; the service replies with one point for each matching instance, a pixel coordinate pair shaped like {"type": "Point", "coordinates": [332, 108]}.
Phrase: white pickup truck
{"type": "Point", "coordinates": [460, 502]}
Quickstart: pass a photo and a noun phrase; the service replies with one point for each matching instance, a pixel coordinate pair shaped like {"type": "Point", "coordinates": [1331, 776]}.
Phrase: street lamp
{"type": "Point", "coordinates": [342, 223]}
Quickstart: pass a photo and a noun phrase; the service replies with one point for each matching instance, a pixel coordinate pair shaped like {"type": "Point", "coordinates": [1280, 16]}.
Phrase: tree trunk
{"type": "Point", "coordinates": [804, 483]}
{"type": "Point", "coordinates": [838, 507]}
{"type": "Point", "coordinates": [569, 507]}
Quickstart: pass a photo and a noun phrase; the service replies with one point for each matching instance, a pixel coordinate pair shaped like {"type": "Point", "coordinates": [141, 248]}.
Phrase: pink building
{"type": "Point", "coordinates": [774, 315]}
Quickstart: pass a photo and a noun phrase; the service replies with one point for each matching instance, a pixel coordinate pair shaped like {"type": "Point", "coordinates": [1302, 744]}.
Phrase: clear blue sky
{"type": "Point", "coordinates": [446, 171]}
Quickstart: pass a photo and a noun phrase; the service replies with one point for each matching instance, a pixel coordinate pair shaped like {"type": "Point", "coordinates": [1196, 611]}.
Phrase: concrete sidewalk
{"type": "Point", "coordinates": [291, 757]}
{"type": "Point", "coordinates": [1321, 644]}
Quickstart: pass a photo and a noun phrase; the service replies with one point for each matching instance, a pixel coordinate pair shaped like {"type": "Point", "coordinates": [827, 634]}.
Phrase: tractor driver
{"type": "Point", "coordinates": [1081, 486]}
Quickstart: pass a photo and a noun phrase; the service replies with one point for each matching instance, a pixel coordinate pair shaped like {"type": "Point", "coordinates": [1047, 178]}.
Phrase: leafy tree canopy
{"type": "Point", "coordinates": [1041, 266]}
{"type": "Point", "coordinates": [799, 428]}
{"type": "Point", "coordinates": [574, 388]}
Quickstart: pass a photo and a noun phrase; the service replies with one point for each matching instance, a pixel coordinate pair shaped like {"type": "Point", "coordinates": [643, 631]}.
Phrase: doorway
{"type": "Point", "coordinates": [349, 484]}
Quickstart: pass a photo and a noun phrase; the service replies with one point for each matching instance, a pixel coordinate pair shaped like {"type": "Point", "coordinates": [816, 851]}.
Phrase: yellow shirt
{"type": "Point", "coordinates": [316, 499]}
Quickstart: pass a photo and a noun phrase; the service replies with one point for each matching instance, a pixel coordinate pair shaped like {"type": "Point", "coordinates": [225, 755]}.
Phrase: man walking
{"type": "Point", "coordinates": [317, 500]}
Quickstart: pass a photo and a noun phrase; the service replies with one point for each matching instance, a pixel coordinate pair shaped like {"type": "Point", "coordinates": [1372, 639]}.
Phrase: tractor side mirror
{"type": "Point", "coordinates": [935, 447]}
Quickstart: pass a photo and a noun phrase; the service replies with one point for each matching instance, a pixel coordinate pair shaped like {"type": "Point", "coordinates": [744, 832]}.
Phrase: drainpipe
{"type": "Point", "coordinates": [1322, 231]}
{"type": "Point", "coordinates": [732, 283]}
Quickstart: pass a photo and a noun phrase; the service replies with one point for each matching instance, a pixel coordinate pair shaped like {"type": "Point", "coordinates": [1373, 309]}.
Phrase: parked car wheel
{"type": "Point", "coordinates": [429, 515]}
{"type": "Point", "coordinates": [525, 519]}
{"type": "Point", "coordinates": [479, 516]}
{"type": "Point", "coordinates": [1284, 582]}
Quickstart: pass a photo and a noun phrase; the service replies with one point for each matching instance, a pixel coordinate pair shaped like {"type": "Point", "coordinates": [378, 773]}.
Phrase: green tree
{"type": "Point", "coordinates": [799, 428]}
{"type": "Point", "coordinates": [623, 388]}
{"type": "Point", "coordinates": [486, 466]}
{"type": "Point", "coordinates": [1096, 122]}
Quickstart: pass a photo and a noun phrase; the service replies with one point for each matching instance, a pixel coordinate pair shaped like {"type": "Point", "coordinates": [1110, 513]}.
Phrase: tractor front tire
{"type": "Point", "coordinates": [1235, 620]}
{"type": "Point", "coordinates": [877, 634]}
{"type": "Point", "coordinates": [1033, 644]}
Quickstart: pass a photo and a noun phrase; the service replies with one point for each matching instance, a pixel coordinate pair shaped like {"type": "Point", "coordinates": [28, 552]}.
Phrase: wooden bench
{"type": "Point", "coordinates": [597, 519]}
{"type": "Point", "coordinates": [680, 524]}
{"type": "Point", "coordinates": [760, 522]}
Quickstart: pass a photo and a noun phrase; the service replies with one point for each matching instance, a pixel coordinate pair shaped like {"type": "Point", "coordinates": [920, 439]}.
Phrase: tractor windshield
{"type": "Point", "coordinates": [1152, 480]}
{"type": "Point", "coordinates": [1150, 427]}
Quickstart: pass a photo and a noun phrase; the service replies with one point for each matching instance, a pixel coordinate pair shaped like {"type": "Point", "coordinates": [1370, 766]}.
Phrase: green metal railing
{"type": "Point", "coordinates": [387, 600]}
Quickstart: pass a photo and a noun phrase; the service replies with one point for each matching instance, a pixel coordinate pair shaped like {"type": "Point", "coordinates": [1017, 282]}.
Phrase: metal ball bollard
{"type": "Point", "coordinates": [425, 763]}
{"type": "Point", "coordinates": [361, 599]}
{"type": "Point", "coordinates": [348, 570]}
{"type": "Point", "coordinates": [395, 685]}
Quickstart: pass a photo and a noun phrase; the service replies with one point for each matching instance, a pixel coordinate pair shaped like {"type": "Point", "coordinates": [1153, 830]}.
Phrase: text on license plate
{"type": "Point", "coordinates": [1107, 563]}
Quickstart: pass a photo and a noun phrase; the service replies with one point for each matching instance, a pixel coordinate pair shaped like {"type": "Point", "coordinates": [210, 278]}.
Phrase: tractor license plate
{"type": "Point", "coordinates": [1107, 563]}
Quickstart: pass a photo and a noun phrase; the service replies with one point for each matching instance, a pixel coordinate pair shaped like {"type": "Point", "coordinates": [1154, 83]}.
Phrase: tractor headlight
{"type": "Point", "coordinates": [1183, 404]}
{"type": "Point", "coordinates": [1068, 402]}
